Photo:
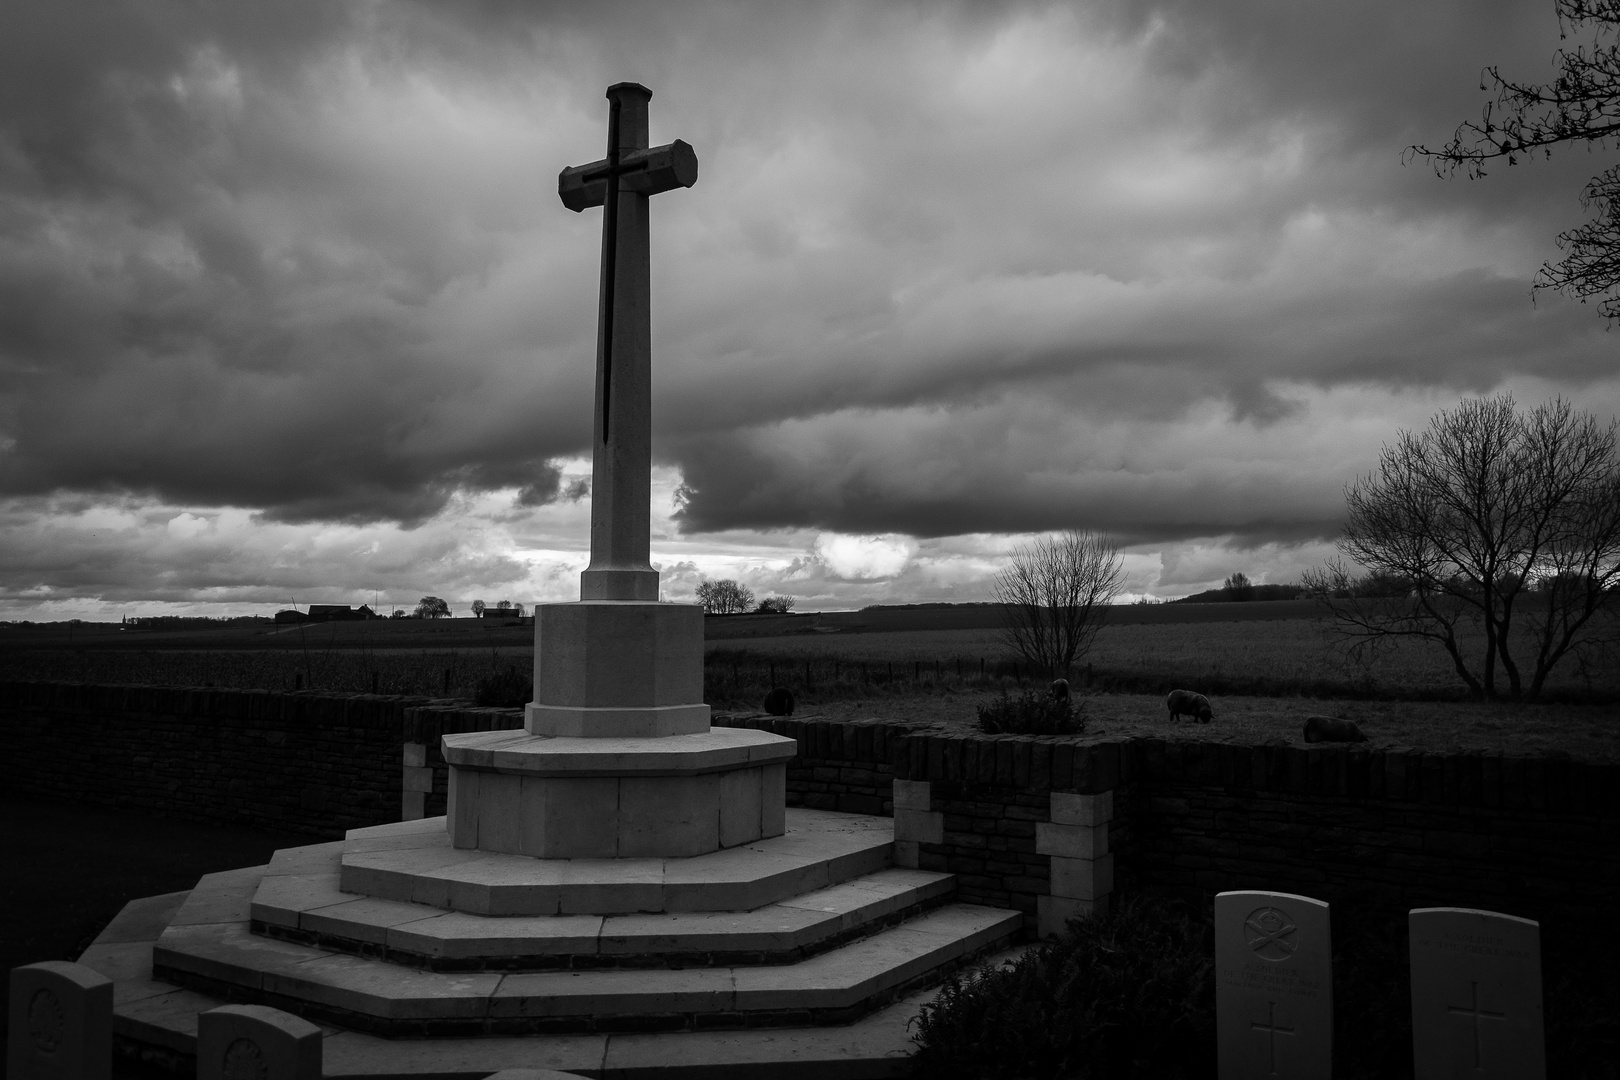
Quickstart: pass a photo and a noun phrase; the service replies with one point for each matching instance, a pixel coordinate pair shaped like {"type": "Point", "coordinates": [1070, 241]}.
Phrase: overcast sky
{"type": "Point", "coordinates": [290, 311]}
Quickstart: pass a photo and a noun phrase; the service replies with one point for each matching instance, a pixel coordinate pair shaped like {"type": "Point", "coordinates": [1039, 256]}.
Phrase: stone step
{"type": "Point", "coordinates": [310, 908]}
{"type": "Point", "coordinates": [365, 994]}
{"type": "Point", "coordinates": [156, 1022]}
{"type": "Point", "coordinates": [414, 862]}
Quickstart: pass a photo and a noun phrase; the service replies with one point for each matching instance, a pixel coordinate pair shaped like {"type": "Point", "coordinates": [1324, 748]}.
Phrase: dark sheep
{"type": "Point", "coordinates": [1332, 729]}
{"type": "Point", "coordinates": [1187, 703]}
{"type": "Point", "coordinates": [1060, 689]}
{"type": "Point", "coordinates": [779, 702]}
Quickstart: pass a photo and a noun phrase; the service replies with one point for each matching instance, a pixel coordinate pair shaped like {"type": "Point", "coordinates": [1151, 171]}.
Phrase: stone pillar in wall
{"type": "Point", "coordinates": [1076, 839]}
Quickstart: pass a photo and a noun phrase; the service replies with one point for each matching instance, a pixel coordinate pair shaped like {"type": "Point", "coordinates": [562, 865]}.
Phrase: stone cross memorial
{"type": "Point", "coordinates": [1476, 995]}
{"type": "Point", "coordinates": [59, 1024]}
{"type": "Point", "coordinates": [621, 465]}
{"type": "Point", "coordinates": [617, 758]}
{"type": "Point", "coordinates": [1273, 986]}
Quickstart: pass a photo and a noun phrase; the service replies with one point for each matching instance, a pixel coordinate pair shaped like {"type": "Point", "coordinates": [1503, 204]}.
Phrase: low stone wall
{"type": "Point", "coordinates": [425, 781]}
{"type": "Point", "coordinates": [316, 763]}
{"type": "Point", "coordinates": [1533, 836]}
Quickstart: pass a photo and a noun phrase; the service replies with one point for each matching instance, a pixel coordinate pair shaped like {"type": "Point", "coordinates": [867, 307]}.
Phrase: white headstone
{"type": "Point", "coordinates": [1273, 986]}
{"type": "Point", "coordinates": [60, 1023]}
{"type": "Point", "coordinates": [1476, 995]}
{"type": "Point", "coordinates": [256, 1041]}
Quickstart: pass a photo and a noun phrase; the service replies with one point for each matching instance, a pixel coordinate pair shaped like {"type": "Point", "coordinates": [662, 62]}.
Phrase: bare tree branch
{"type": "Point", "coordinates": [1581, 105]}
{"type": "Point", "coordinates": [1500, 527]}
{"type": "Point", "coordinates": [1056, 593]}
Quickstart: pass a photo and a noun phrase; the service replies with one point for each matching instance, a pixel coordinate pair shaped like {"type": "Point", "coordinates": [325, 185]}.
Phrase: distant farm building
{"type": "Point", "coordinates": [328, 613]}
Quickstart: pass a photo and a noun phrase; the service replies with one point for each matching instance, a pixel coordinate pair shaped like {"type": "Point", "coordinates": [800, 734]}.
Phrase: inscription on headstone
{"type": "Point", "coordinates": [1476, 995]}
{"type": "Point", "coordinates": [59, 1025]}
{"type": "Point", "coordinates": [256, 1042]}
{"type": "Point", "coordinates": [1274, 986]}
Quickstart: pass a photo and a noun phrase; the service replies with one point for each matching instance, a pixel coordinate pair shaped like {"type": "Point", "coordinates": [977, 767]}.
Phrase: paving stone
{"type": "Point", "coordinates": [131, 990]}
{"type": "Point", "coordinates": [143, 919]}
{"type": "Point", "coordinates": [364, 919]}
{"type": "Point", "coordinates": [768, 929]}
{"type": "Point", "coordinates": [168, 1020]}
{"type": "Point", "coordinates": [795, 923]}
{"type": "Point", "coordinates": [314, 859]}
{"type": "Point", "coordinates": [614, 993]}
{"type": "Point", "coordinates": [220, 898]}
{"type": "Point", "coordinates": [376, 988]}
{"type": "Point", "coordinates": [228, 953]}
{"type": "Point", "coordinates": [352, 1055]}
{"type": "Point", "coordinates": [120, 961]}
{"type": "Point", "coordinates": [281, 900]}
{"type": "Point", "coordinates": [456, 935]}
{"type": "Point", "coordinates": [611, 886]}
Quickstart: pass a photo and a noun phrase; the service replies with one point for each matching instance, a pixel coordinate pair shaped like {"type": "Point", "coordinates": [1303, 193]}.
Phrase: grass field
{"type": "Point", "coordinates": [1265, 670]}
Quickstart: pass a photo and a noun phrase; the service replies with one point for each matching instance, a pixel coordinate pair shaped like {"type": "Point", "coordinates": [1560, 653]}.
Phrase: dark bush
{"type": "Point", "coordinates": [508, 688]}
{"type": "Point", "coordinates": [1131, 994]}
{"type": "Point", "coordinates": [1030, 713]}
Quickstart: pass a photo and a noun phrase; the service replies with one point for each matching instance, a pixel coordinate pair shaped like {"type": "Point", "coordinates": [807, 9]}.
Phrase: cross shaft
{"type": "Point", "coordinates": [621, 464]}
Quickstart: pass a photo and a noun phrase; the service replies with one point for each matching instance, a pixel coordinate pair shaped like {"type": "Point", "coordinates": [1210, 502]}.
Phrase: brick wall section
{"type": "Point", "coordinates": [424, 724]}
{"type": "Point", "coordinates": [303, 762]}
{"type": "Point", "coordinates": [1535, 836]}
{"type": "Point", "coordinates": [1532, 836]}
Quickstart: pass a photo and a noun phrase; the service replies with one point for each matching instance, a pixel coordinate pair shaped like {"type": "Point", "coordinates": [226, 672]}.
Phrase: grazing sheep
{"type": "Point", "coordinates": [1060, 689]}
{"type": "Point", "coordinates": [1332, 729]}
{"type": "Point", "coordinates": [1185, 702]}
{"type": "Point", "coordinates": [779, 702]}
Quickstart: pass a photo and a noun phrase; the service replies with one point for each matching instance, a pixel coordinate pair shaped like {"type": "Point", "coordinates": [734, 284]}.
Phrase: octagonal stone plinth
{"type": "Point", "coordinates": [574, 798]}
{"type": "Point", "coordinates": [609, 668]}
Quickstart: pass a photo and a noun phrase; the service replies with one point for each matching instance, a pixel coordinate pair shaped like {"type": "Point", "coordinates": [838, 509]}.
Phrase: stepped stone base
{"type": "Point", "coordinates": [155, 1022]}
{"type": "Point", "coordinates": [814, 927]}
{"type": "Point", "coordinates": [415, 862]}
{"type": "Point", "coordinates": [604, 798]}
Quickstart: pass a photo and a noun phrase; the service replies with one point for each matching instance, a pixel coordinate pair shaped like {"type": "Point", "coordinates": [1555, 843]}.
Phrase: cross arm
{"type": "Point", "coordinates": [645, 172]}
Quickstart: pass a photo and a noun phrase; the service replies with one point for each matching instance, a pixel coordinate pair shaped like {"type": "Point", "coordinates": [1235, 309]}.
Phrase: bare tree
{"type": "Point", "coordinates": [1581, 106]}
{"type": "Point", "coordinates": [724, 597]}
{"type": "Point", "coordinates": [478, 608]}
{"type": "Point", "coordinates": [1239, 587]}
{"type": "Point", "coordinates": [1055, 593]}
{"type": "Point", "coordinates": [1502, 531]}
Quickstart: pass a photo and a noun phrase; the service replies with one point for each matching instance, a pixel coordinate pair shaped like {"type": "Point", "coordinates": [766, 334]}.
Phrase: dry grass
{"type": "Point", "coordinates": [1261, 657]}
{"type": "Point", "coordinates": [1585, 732]}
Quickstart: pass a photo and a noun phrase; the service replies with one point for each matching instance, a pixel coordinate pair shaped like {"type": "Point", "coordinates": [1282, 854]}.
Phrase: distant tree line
{"type": "Point", "coordinates": [729, 598]}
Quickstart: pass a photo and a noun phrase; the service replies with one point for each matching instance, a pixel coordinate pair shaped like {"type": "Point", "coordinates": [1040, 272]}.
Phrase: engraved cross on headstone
{"type": "Point", "coordinates": [1477, 1014]}
{"type": "Point", "coordinates": [1272, 1030]}
{"type": "Point", "coordinates": [621, 464]}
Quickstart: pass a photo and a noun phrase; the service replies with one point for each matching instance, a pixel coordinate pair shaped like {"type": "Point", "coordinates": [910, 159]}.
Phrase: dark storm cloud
{"type": "Point", "coordinates": [209, 297]}
{"type": "Point", "coordinates": [948, 269]}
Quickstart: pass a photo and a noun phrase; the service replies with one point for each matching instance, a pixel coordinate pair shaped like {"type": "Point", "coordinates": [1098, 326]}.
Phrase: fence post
{"type": "Point", "coordinates": [809, 684]}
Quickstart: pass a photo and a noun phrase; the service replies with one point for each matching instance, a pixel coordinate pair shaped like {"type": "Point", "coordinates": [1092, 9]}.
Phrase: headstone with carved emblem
{"type": "Point", "coordinates": [1273, 986]}
{"type": "Point", "coordinates": [256, 1042]}
{"type": "Point", "coordinates": [60, 1023]}
{"type": "Point", "coordinates": [1476, 995]}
